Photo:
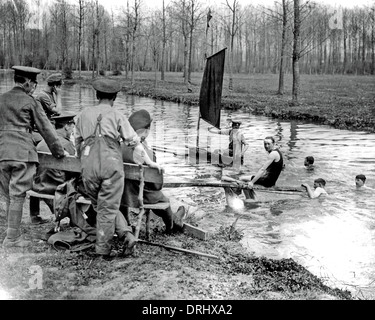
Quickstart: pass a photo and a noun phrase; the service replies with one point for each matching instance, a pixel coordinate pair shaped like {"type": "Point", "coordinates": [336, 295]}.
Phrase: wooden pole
{"type": "Point", "coordinates": [179, 249]}
{"type": "Point", "coordinates": [280, 189]}
{"type": "Point", "coordinates": [198, 127]}
{"type": "Point", "coordinates": [141, 205]}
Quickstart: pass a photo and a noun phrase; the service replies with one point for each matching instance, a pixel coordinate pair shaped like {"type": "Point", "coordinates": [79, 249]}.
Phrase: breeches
{"type": "Point", "coordinates": [105, 194]}
{"type": "Point", "coordinates": [16, 178]}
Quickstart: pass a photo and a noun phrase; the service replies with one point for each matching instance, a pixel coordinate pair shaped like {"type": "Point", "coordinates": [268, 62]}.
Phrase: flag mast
{"type": "Point", "coordinates": [209, 17]}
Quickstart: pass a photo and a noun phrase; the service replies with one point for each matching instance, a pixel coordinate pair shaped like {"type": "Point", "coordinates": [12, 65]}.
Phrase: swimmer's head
{"type": "Point", "coordinates": [309, 161]}
{"type": "Point", "coordinates": [360, 180]}
{"type": "Point", "coordinates": [319, 183]}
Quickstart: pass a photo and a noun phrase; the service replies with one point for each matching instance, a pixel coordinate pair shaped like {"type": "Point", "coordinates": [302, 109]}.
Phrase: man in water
{"type": "Point", "coordinates": [309, 163]}
{"type": "Point", "coordinates": [319, 190]}
{"type": "Point", "coordinates": [360, 181]}
{"type": "Point", "coordinates": [267, 175]}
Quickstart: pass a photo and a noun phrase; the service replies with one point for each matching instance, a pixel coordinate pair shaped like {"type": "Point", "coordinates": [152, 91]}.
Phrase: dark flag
{"type": "Point", "coordinates": [209, 17]}
{"type": "Point", "coordinates": [211, 89]}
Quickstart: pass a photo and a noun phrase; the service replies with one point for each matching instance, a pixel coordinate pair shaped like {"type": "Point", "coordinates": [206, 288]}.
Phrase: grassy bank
{"type": "Point", "coordinates": [157, 273]}
{"type": "Point", "coordinates": [344, 102]}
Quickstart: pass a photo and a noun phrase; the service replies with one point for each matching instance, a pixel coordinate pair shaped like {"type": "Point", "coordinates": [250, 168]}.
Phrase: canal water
{"type": "Point", "coordinates": [333, 237]}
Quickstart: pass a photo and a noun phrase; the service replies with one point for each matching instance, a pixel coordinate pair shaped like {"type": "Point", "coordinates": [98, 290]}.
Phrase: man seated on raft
{"type": "Point", "coordinates": [141, 123]}
{"type": "Point", "coordinates": [266, 176]}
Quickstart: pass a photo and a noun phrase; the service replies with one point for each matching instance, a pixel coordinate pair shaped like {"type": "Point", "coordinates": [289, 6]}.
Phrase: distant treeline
{"type": "Point", "coordinates": [82, 35]}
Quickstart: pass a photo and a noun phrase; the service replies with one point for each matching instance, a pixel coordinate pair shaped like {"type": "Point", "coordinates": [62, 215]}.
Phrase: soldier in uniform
{"type": "Point", "coordinates": [99, 130]}
{"type": "Point", "coordinates": [49, 98]}
{"type": "Point", "coordinates": [19, 112]}
{"type": "Point", "coordinates": [47, 180]}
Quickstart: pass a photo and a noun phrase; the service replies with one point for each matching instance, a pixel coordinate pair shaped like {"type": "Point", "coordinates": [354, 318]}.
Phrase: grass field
{"type": "Point", "coordinates": [343, 101]}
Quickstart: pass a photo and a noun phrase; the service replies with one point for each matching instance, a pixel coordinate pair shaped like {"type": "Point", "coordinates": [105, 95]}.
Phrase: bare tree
{"type": "Point", "coordinates": [180, 12]}
{"type": "Point", "coordinates": [81, 15]}
{"type": "Point", "coordinates": [296, 52]}
{"type": "Point", "coordinates": [232, 32]}
{"type": "Point", "coordinates": [372, 21]}
{"type": "Point", "coordinates": [163, 47]}
{"type": "Point", "coordinates": [135, 25]}
{"type": "Point", "coordinates": [283, 46]}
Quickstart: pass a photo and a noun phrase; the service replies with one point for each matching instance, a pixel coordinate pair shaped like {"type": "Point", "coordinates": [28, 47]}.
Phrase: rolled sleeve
{"type": "Point", "coordinates": [127, 133]}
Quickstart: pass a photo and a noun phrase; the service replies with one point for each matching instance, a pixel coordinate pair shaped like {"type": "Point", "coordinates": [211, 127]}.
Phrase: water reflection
{"type": "Point", "coordinates": [332, 237]}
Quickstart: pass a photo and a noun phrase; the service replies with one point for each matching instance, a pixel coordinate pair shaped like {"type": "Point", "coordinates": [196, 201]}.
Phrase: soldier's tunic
{"type": "Point", "coordinates": [47, 100]}
{"type": "Point", "coordinates": [19, 112]}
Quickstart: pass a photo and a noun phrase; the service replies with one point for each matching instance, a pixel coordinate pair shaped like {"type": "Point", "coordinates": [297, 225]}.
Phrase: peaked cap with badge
{"type": "Point", "coordinates": [27, 72]}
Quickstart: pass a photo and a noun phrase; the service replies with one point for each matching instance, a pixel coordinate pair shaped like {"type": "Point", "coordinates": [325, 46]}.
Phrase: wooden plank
{"type": "Point", "coordinates": [39, 195]}
{"type": "Point", "coordinates": [157, 206]}
{"type": "Point", "coordinates": [68, 163]}
{"type": "Point", "coordinates": [195, 232]}
{"type": "Point", "coordinates": [73, 164]}
{"type": "Point", "coordinates": [222, 184]}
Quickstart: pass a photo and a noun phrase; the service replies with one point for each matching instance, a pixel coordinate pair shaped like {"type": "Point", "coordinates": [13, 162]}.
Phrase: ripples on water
{"type": "Point", "coordinates": [332, 237]}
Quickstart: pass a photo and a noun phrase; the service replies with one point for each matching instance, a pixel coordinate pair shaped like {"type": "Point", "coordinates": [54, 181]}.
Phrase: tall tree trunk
{"type": "Point", "coordinates": [283, 46]}
{"type": "Point", "coordinates": [190, 54]}
{"type": "Point", "coordinates": [80, 27]}
{"type": "Point", "coordinates": [93, 53]}
{"type": "Point", "coordinates": [163, 47]}
{"type": "Point", "coordinates": [97, 31]}
{"type": "Point", "coordinates": [192, 26]}
{"type": "Point", "coordinates": [363, 44]}
{"type": "Point", "coordinates": [232, 34]}
{"type": "Point", "coordinates": [345, 36]}
{"type": "Point", "coordinates": [373, 41]}
{"type": "Point", "coordinates": [296, 52]}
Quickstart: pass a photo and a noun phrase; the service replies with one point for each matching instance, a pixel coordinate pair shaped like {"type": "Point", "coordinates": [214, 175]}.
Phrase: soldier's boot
{"type": "Point", "coordinates": [14, 237]}
{"type": "Point", "coordinates": [178, 224]}
{"type": "Point", "coordinates": [35, 218]}
{"type": "Point", "coordinates": [168, 220]}
{"type": "Point", "coordinates": [129, 244]}
{"type": "Point", "coordinates": [173, 222]}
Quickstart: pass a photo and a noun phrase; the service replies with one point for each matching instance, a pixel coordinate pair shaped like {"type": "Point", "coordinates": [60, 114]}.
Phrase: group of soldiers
{"type": "Point", "coordinates": [103, 139]}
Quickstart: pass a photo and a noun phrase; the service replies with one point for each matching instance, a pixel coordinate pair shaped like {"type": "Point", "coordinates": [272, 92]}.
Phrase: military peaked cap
{"type": "Point", "coordinates": [107, 85]}
{"type": "Point", "coordinates": [140, 119]}
{"type": "Point", "coordinates": [27, 72]}
{"type": "Point", "coordinates": [64, 118]}
{"type": "Point", "coordinates": [54, 77]}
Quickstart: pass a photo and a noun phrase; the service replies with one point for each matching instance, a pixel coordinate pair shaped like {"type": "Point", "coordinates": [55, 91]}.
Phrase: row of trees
{"type": "Point", "coordinates": [83, 35]}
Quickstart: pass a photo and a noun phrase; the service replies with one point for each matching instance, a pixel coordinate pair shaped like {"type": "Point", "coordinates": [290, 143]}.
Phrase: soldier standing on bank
{"type": "Point", "coordinates": [19, 112]}
{"type": "Point", "coordinates": [99, 130]}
